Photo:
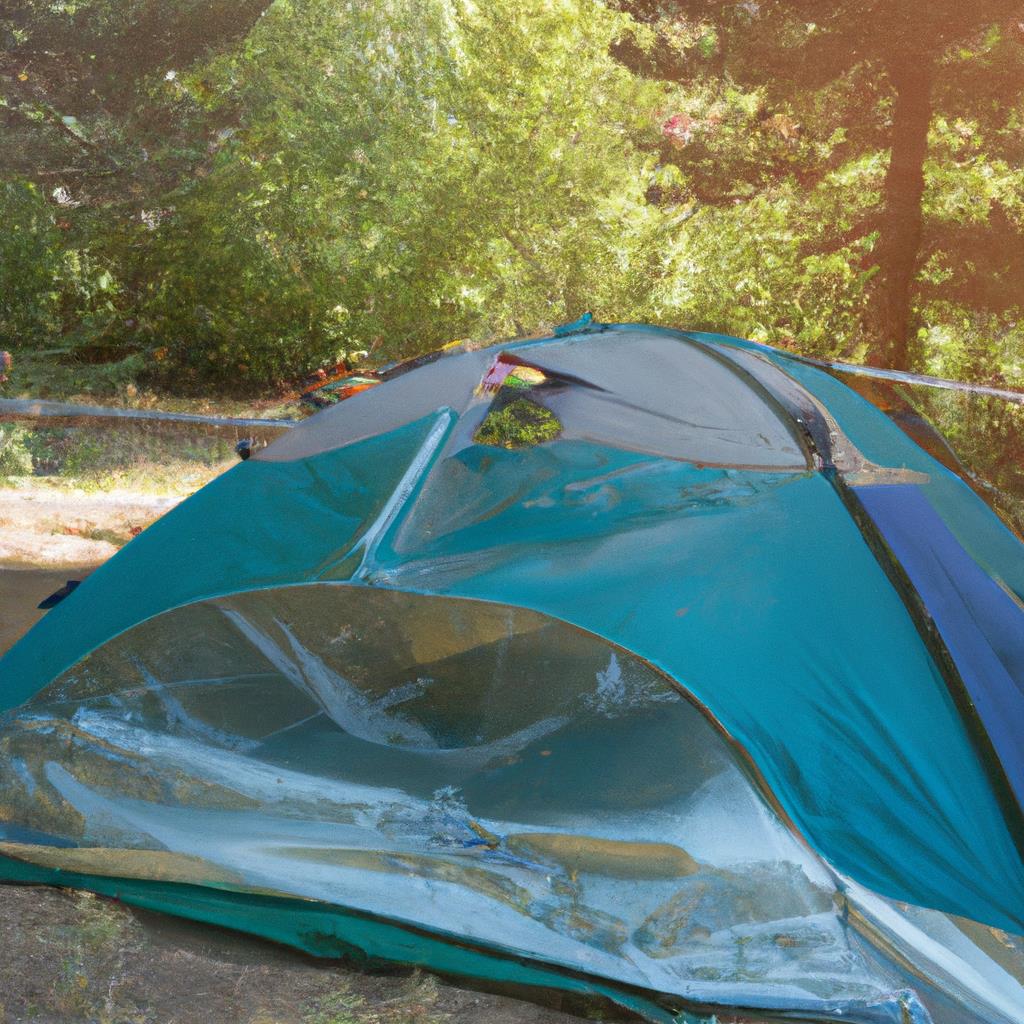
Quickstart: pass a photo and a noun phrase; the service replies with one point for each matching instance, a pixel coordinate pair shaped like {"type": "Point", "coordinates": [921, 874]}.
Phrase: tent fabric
{"type": "Point", "coordinates": [980, 622]}
{"type": "Point", "coordinates": [387, 809]}
{"type": "Point", "coordinates": [779, 568]}
{"type": "Point", "coordinates": [685, 404]}
{"type": "Point", "coordinates": [988, 540]}
{"type": "Point", "coordinates": [639, 705]}
{"type": "Point", "coordinates": [232, 534]}
{"type": "Point", "coordinates": [448, 382]}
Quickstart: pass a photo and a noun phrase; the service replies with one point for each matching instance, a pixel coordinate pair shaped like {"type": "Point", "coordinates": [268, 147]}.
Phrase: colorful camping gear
{"type": "Point", "coordinates": [711, 704]}
{"type": "Point", "coordinates": [328, 389]}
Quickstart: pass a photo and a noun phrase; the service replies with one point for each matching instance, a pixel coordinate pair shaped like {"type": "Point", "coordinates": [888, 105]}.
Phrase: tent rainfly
{"type": "Point", "coordinates": [653, 665]}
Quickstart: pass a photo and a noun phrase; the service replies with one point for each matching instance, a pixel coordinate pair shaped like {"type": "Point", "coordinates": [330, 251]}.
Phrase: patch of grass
{"type": "Point", "coordinates": [104, 456]}
{"type": "Point", "coordinates": [415, 1003]}
{"type": "Point", "coordinates": [116, 537]}
{"type": "Point", "coordinates": [342, 1006]}
{"type": "Point", "coordinates": [103, 926]}
{"type": "Point", "coordinates": [92, 950]}
{"type": "Point", "coordinates": [50, 375]}
{"type": "Point", "coordinates": [133, 455]}
{"type": "Point", "coordinates": [519, 424]}
{"type": "Point", "coordinates": [15, 454]}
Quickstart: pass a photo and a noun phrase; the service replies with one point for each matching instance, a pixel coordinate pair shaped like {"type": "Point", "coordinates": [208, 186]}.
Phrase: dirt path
{"type": "Point", "coordinates": [49, 535]}
{"type": "Point", "coordinates": [71, 958]}
{"type": "Point", "coordinates": [47, 527]}
{"type": "Point", "coordinates": [21, 590]}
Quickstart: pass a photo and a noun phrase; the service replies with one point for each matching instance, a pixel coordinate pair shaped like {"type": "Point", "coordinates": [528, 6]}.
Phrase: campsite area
{"type": "Point", "coordinates": [641, 619]}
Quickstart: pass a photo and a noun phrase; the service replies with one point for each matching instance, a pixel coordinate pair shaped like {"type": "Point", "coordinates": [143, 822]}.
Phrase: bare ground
{"type": "Point", "coordinates": [45, 527]}
{"type": "Point", "coordinates": [71, 957]}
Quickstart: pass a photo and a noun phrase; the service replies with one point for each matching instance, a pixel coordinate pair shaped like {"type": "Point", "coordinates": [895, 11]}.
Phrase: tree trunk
{"type": "Point", "coordinates": [890, 319]}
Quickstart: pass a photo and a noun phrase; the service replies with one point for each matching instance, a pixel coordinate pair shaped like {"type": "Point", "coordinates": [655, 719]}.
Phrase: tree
{"type": "Point", "coordinates": [31, 266]}
{"type": "Point", "coordinates": [835, 82]}
{"type": "Point", "coordinates": [94, 133]}
{"type": "Point", "coordinates": [235, 191]}
{"type": "Point", "coordinates": [77, 100]}
{"type": "Point", "coordinates": [391, 175]}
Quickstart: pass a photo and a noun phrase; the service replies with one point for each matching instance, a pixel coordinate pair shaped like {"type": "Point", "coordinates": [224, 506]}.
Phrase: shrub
{"type": "Point", "coordinates": [518, 425]}
{"type": "Point", "coordinates": [15, 454]}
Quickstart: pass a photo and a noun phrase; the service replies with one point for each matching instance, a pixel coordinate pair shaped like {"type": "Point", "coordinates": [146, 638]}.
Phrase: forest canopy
{"type": "Point", "coordinates": [220, 193]}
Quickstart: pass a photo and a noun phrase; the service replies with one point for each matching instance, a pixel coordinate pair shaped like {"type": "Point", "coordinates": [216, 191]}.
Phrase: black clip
{"type": "Point", "coordinates": [58, 595]}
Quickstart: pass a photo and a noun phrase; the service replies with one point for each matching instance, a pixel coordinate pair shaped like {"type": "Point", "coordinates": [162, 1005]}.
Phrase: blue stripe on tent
{"type": "Point", "coordinates": [980, 623]}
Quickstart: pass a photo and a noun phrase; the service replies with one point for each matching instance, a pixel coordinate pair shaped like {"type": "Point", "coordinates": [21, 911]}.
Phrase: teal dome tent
{"type": "Point", "coordinates": [652, 665]}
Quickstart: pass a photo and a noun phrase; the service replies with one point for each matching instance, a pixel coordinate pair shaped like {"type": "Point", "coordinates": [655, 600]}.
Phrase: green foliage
{"type": "Point", "coordinates": [519, 424]}
{"type": "Point", "coordinates": [987, 435]}
{"type": "Point", "coordinates": [404, 172]}
{"type": "Point", "coordinates": [15, 456]}
{"type": "Point", "coordinates": [784, 128]}
{"type": "Point", "coordinates": [31, 266]}
{"type": "Point", "coordinates": [44, 281]}
{"type": "Point", "coordinates": [229, 194]}
{"type": "Point", "coordinates": [132, 455]}
{"type": "Point", "coordinates": [757, 271]}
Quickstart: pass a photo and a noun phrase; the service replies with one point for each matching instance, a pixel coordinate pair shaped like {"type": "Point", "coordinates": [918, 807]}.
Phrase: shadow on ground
{"type": "Point", "coordinates": [74, 957]}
